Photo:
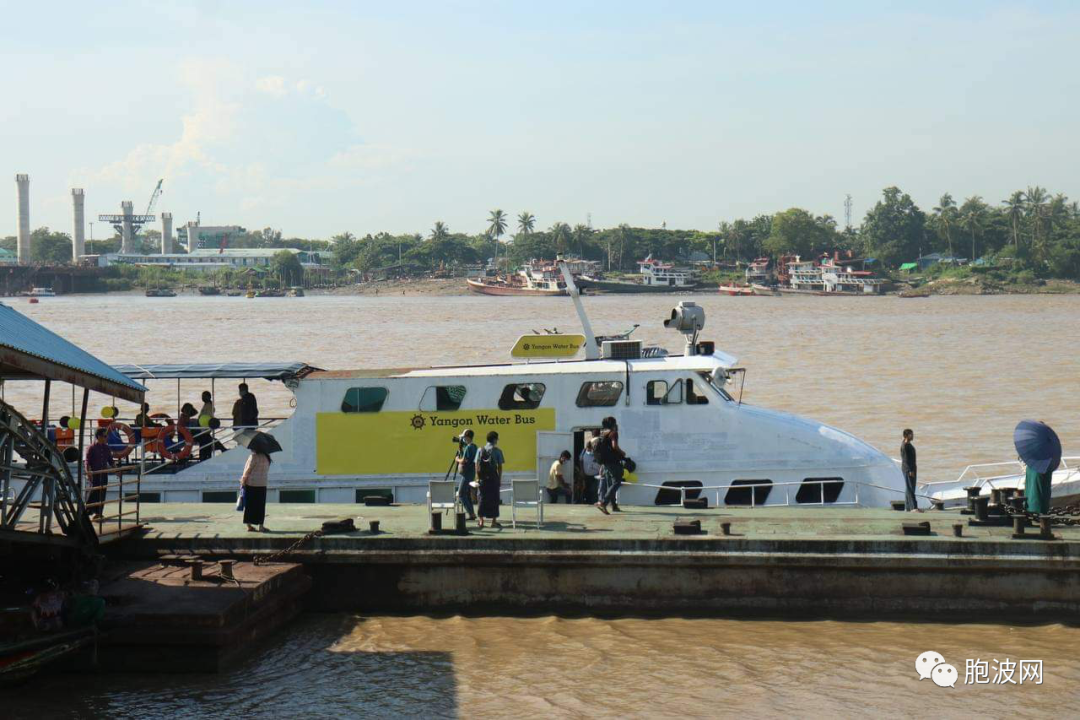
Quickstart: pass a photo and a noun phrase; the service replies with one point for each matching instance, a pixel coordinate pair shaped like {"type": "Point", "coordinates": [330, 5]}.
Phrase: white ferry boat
{"type": "Point", "coordinates": [356, 433]}
{"type": "Point", "coordinates": [829, 277]}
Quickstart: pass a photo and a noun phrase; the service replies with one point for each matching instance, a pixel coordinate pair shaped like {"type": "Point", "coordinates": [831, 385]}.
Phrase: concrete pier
{"type": "Point", "coordinates": [78, 230]}
{"type": "Point", "coordinates": [159, 619]}
{"type": "Point", "coordinates": [166, 233]}
{"type": "Point", "coordinates": [127, 235]}
{"type": "Point", "coordinates": [23, 235]}
{"type": "Point", "coordinates": [776, 562]}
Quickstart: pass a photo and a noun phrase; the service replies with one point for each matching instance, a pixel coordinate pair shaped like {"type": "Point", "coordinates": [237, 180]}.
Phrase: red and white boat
{"type": "Point", "coordinates": [536, 278]}
{"type": "Point", "coordinates": [736, 290]}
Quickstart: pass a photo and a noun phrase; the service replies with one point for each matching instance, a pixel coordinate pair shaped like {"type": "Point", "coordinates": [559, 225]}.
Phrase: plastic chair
{"type": "Point", "coordinates": [441, 495]}
{"type": "Point", "coordinates": [526, 494]}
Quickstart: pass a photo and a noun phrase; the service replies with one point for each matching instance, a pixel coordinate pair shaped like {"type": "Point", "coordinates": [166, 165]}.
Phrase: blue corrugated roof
{"type": "Point", "coordinates": [30, 349]}
{"type": "Point", "coordinates": [267, 370]}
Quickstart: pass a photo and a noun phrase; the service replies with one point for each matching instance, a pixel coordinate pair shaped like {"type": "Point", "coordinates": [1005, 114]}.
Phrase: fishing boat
{"type": "Point", "coordinates": [655, 277]}
{"type": "Point", "coordinates": [737, 290]}
{"type": "Point", "coordinates": [40, 292]}
{"type": "Point", "coordinates": [535, 278]}
{"type": "Point", "coordinates": [356, 433]}
{"type": "Point", "coordinates": [209, 290]}
{"type": "Point", "coordinates": [765, 290]}
{"type": "Point", "coordinates": [159, 293]}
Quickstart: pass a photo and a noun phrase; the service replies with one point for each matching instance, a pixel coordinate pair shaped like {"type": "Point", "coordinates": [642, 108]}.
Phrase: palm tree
{"type": "Point", "coordinates": [560, 233]}
{"type": "Point", "coordinates": [725, 232]}
{"type": "Point", "coordinates": [496, 228]}
{"type": "Point", "coordinates": [1036, 209]}
{"type": "Point", "coordinates": [526, 223]}
{"type": "Point", "coordinates": [944, 214]}
{"type": "Point", "coordinates": [440, 231]}
{"type": "Point", "coordinates": [972, 219]}
{"type": "Point", "coordinates": [581, 233]}
{"type": "Point", "coordinates": [1014, 208]}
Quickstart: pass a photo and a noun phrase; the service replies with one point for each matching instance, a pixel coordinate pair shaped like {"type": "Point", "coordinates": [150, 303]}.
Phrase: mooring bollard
{"type": "Point", "coordinates": [374, 527]}
{"type": "Point", "coordinates": [972, 493]}
{"type": "Point", "coordinates": [995, 496]}
{"type": "Point", "coordinates": [436, 521]}
{"type": "Point", "coordinates": [1019, 521]}
{"type": "Point", "coordinates": [1045, 526]}
{"type": "Point", "coordinates": [1017, 503]}
{"type": "Point", "coordinates": [981, 507]}
{"type": "Point", "coordinates": [459, 523]}
{"type": "Point", "coordinates": [196, 569]}
{"type": "Point", "coordinates": [227, 569]}
{"type": "Point", "coordinates": [958, 529]}
{"type": "Point", "coordinates": [725, 528]}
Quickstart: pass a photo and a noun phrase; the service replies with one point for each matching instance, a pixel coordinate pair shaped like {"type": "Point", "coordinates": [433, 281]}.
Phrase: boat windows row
{"type": "Point", "coordinates": [528, 396]}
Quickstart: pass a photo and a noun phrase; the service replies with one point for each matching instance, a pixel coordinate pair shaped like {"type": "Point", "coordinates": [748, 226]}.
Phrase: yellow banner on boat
{"type": "Point", "coordinates": [547, 346]}
{"type": "Point", "coordinates": [411, 443]}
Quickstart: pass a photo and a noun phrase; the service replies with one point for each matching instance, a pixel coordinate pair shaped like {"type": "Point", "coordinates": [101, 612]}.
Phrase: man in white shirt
{"type": "Point", "coordinates": [591, 471]}
{"type": "Point", "coordinates": [557, 484]}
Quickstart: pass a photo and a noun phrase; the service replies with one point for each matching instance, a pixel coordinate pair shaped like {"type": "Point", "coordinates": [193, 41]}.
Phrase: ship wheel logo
{"type": "Point", "coordinates": [526, 347]}
{"type": "Point", "coordinates": [417, 422]}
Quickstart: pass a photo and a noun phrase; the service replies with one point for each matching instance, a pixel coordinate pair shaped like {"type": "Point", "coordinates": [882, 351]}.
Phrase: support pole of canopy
{"type": "Point", "coordinates": [82, 438]}
{"type": "Point", "coordinates": [45, 408]}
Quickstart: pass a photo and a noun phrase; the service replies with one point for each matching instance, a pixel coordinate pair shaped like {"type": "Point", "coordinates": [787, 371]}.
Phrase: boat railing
{"type": "Point", "coordinates": [145, 451]}
{"type": "Point", "coordinates": [980, 474]}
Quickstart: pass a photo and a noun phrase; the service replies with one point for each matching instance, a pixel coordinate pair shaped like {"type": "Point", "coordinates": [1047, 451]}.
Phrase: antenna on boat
{"type": "Point", "coordinates": [592, 352]}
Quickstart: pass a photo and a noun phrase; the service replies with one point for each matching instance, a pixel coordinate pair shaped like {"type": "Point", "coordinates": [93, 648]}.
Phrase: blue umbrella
{"type": "Point", "coordinates": [1037, 445]}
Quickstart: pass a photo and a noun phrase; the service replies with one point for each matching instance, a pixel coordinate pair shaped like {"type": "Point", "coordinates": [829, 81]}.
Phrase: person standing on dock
{"type": "Point", "coordinates": [99, 461]}
{"type": "Point", "coordinates": [907, 462]}
{"type": "Point", "coordinates": [254, 481]}
{"type": "Point", "coordinates": [489, 468]}
{"type": "Point", "coordinates": [610, 456]}
{"type": "Point", "coordinates": [466, 462]}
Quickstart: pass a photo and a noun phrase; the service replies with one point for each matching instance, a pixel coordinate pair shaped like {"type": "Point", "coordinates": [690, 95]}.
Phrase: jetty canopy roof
{"type": "Point", "coordinates": [29, 351]}
{"type": "Point", "coordinates": [204, 371]}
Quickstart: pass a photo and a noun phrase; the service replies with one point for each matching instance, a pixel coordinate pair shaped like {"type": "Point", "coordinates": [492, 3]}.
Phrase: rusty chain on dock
{"type": "Point", "coordinates": [274, 557]}
{"type": "Point", "coordinates": [1068, 515]}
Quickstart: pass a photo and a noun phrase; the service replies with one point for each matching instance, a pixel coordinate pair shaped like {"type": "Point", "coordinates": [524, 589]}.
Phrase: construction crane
{"type": "Point", "coordinates": [137, 221]}
{"type": "Point", "coordinates": [154, 198]}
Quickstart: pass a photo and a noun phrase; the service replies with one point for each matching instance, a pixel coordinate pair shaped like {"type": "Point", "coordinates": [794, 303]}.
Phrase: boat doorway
{"type": "Point", "coordinates": [585, 487]}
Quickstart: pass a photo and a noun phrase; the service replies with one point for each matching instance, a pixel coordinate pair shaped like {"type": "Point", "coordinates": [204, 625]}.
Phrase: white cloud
{"type": "Point", "coordinates": [271, 85]}
{"type": "Point", "coordinates": [373, 157]}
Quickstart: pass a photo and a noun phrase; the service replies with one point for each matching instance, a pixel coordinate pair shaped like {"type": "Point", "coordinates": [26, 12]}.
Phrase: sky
{"type": "Point", "coordinates": [317, 118]}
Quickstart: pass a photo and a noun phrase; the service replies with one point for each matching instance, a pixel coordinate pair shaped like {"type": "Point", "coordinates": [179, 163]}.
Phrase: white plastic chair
{"type": "Point", "coordinates": [526, 494]}
{"type": "Point", "coordinates": [441, 495]}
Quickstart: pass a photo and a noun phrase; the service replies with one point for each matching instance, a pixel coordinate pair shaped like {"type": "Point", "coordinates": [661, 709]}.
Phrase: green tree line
{"type": "Point", "coordinates": [1031, 230]}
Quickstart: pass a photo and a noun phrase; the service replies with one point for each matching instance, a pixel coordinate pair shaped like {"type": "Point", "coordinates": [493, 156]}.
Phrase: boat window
{"type": "Point", "coordinates": [671, 495]}
{"type": "Point", "coordinates": [657, 392]}
{"type": "Point", "coordinates": [364, 400]}
{"type": "Point", "coordinates": [521, 396]}
{"type": "Point", "coordinates": [717, 383]}
{"type": "Point", "coordinates": [740, 492]}
{"type": "Point", "coordinates": [694, 395]}
{"type": "Point", "coordinates": [603, 393]}
{"type": "Point", "coordinates": [442, 397]}
{"type": "Point", "coordinates": [818, 490]}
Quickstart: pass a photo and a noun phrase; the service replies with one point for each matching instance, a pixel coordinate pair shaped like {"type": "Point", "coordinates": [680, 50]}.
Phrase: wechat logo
{"type": "Point", "coordinates": [932, 665]}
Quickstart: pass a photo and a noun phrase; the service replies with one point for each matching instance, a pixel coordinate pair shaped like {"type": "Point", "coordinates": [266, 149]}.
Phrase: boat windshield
{"type": "Point", "coordinates": [717, 385]}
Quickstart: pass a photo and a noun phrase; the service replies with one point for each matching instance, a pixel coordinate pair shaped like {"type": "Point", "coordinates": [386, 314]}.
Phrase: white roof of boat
{"type": "Point", "coordinates": [692, 363]}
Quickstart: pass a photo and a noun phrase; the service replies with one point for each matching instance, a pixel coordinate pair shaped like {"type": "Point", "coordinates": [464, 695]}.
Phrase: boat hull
{"type": "Point", "coordinates": [611, 286]}
{"type": "Point", "coordinates": [736, 291]}
{"type": "Point", "coordinates": [488, 289]}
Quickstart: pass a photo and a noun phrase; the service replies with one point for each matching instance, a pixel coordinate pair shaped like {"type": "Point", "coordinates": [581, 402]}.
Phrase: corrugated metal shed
{"type": "Point", "coordinates": [31, 351]}
{"type": "Point", "coordinates": [266, 370]}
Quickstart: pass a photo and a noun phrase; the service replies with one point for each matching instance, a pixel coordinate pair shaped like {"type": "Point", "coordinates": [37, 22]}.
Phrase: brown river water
{"type": "Point", "coordinates": [961, 371]}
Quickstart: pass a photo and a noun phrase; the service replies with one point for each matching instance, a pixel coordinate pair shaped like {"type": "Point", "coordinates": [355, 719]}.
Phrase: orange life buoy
{"type": "Point", "coordinates": [129, 439]}
{"type": "Point", "coordinates": [185, 435]}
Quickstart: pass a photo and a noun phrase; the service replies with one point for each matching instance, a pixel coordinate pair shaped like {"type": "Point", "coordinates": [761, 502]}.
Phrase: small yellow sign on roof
{"type": "Point", "coordinates": [547, 346]}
